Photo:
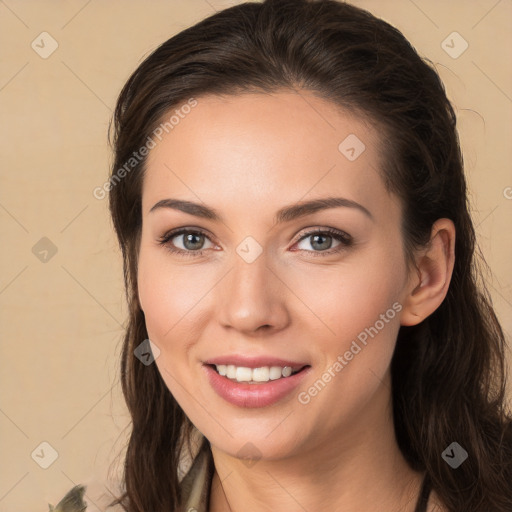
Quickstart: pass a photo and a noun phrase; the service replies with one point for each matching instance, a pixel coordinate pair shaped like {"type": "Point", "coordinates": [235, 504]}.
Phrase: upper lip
{"type": "Point", "coordinates": [254, 362]}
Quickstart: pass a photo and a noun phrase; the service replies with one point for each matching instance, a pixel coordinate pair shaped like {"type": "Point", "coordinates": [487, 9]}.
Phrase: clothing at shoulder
{"type": "Point", "coordinates": [196, 488]}
{"type": "Point", "coordinates": [196, 485]}
{"type": "Point", "coordinates": [79, 497]}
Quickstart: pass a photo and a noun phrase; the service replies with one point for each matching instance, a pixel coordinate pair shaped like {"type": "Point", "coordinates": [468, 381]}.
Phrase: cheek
{"type": "Point", "coordinates": [172, 298]}
{"type": "Point", "coordinates": [332, 301]}
{"type": "Point", "coordinates": [345, 300]}
{"type": "Point", "coordinates": [359, 308]}
{"type": "Point", "coordinates": [354, 342]}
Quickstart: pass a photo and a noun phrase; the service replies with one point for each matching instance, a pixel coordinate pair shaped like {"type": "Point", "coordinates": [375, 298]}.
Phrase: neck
{"type": "Point", "coordinates": [351, 471]}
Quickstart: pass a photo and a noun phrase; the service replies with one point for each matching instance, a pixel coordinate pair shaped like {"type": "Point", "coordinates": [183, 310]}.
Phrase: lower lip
{"type": "Point", "coordinates": [254, 395]}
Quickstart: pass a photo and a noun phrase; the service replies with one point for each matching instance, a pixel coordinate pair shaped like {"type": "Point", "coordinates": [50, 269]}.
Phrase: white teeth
{"type": "Point", "coordinates": [244, 374]}
{"type": "Point", "coordinates": [275, 372]}
{"type": "Point", "coordinates": [287, 371]}
{"type": "Point", "coordinates": [261, 374]}
{"type": "Point", "coordinates": [231, 371]}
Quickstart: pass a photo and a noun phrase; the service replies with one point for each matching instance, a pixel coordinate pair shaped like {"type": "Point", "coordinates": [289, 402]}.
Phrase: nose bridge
{"type": "Point", "coordinates": [252, 296]}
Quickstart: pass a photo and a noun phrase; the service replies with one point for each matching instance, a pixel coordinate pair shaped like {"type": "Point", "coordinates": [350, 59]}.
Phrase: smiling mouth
{"type": "Point", "coordinates": [261, 375]}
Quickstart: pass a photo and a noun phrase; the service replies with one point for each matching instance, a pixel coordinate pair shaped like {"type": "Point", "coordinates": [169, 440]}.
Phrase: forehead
{"type": "Point", "coordinates": [264, 150]}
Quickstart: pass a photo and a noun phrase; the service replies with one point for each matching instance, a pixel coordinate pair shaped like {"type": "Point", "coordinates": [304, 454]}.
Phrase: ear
{"type": "Point", "coordinates": [434, 264]}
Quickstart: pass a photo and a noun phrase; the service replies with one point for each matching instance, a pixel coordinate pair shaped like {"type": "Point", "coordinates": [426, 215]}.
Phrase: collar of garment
{"type": "Point", "coordinates": [196, 484]}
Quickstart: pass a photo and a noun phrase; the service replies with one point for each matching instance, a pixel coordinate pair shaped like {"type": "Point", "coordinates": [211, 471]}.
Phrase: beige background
{"type": "Point", "coordinates": [62, 320]}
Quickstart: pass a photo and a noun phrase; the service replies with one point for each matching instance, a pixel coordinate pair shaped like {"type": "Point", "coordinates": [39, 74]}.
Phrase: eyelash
{"type": "Point", "coordinates": [345, 239]}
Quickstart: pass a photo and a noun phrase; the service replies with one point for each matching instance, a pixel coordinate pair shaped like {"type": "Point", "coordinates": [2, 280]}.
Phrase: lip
{"type": "Point", "coordinates": [261, 394]}
{"type": "Point", "coordinates": [254, 362]}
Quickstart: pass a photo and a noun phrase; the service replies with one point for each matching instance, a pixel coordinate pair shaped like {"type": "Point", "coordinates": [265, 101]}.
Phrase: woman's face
{"type": "Point", "coordinates": [259, 284]}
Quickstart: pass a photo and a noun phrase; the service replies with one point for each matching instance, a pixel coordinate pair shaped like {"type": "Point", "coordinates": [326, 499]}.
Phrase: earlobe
{"type": "Point", "coordinates": [434, 266]}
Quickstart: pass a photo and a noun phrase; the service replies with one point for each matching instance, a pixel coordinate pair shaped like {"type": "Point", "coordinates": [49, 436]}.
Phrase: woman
{"type": "Point", "coordinates": [289, 198]}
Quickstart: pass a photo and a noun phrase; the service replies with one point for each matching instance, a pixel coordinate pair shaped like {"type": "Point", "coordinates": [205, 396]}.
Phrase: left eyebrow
{"type": "Point", "coordinates": [286, 214]}
{"type": "Point", "coordinates": [295, 211]}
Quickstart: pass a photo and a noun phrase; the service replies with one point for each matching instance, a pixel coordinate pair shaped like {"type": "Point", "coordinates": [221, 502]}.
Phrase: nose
{"type": "Point", "coordinates": [252, 298]}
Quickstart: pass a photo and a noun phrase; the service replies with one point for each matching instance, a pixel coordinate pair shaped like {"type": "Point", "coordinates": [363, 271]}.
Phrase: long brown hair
{"type": "Point", "coordinates": [448, 372]}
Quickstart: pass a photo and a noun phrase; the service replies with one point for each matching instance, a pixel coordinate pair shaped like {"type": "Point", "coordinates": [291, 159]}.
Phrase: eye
{"type": "Point", "coordinates": [191, 242]}
{"type": "Point", "coordinates": [321, 241]}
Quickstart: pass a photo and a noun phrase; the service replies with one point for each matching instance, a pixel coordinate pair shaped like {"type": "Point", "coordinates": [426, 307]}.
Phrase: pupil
{"type": "Point", "coordinates": [189, 238]}
{"type": "Point", "coordinates": [321, 236]}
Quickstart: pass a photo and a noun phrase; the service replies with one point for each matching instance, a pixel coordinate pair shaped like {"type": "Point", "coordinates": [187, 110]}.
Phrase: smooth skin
{"type": "Point", "coordinates": [246, 157]}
